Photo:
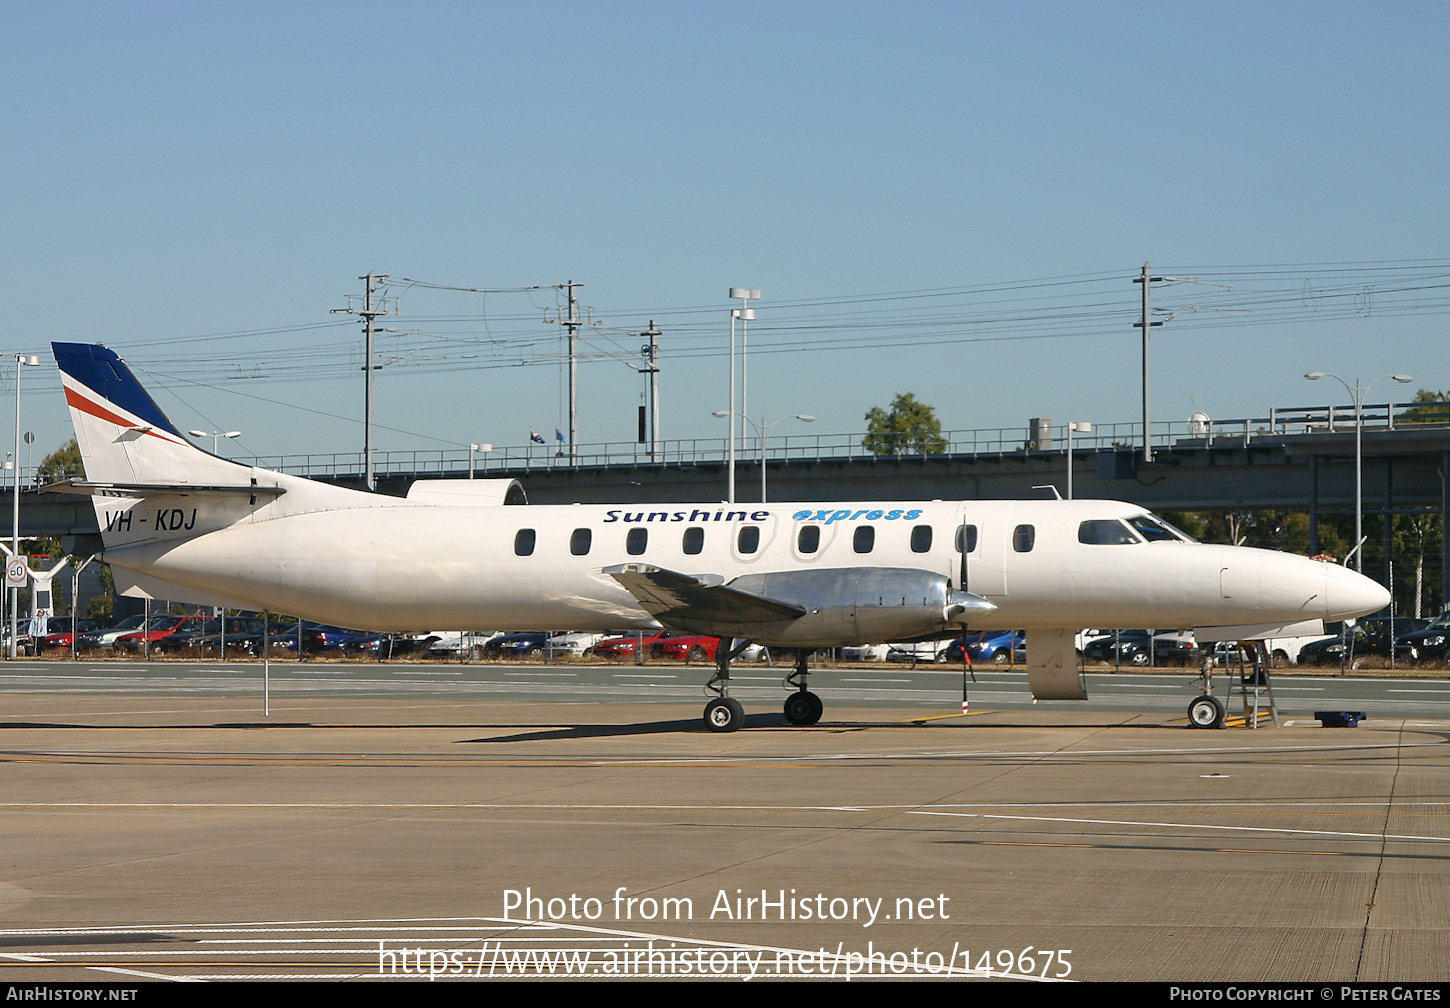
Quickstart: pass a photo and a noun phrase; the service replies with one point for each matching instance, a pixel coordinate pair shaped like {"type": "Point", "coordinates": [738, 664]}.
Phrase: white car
{"type": "Point", "coordinates": [922, 652]}
{"type": "Point", "coordinates": [459, 644]}
{"type": "Point", "coordinates": [863, 652]}
{"type": "Point", "coordinates": [107, 638]}
{"type": "Point", "coordinates": [574, 643]}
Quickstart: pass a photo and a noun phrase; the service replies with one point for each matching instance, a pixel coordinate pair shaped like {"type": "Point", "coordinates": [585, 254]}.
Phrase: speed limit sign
{"type": "Point", "coordinates": [17, 573]}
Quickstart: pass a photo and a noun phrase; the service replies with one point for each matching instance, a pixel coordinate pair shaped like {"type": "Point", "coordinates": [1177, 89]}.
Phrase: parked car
{"type": "Point", "coordinates": [321, 637]}
{"type": "Point", "coordinates": [155, 630]}
{"type": "Point", "coordinates": [864, 652]}
{"type": "Point", "coordinates": [61, 639]}
{"type": "Point", "coordinates": [994, 647]}
{"type": "Point", "coordinates": [699, 648]}
{"type": "Point", "coordinates": [106, 637]}
{"type": "Point", "coordinates": [918, 652]}
{"type": "Point", "coordinates": [517, 645]}
{"type": "Point", "coordinates": [686, 647]}
{"type": "Point", "coordinates": [625, 645]}
{"type": "Point", "coordinates": [206, 637]}
{"type": "Point", "coordinates": [573, 643]}
{"type": "Point", "coordinates": [1143, 647]}
{"type": "Point", "coordinates": [1369, 638]}
{"type": "Point", "coordinates": [282, 637]}
{"type": "Point", "coordinates": [458, 643]}
{"type": "Point", "coordinates": [387, 645]}
{"type": "Point", "coordinates": [1428, 643]}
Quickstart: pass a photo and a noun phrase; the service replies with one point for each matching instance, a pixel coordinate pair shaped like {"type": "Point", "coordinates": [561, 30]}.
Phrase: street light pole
{"type": "Point", "coordinates": [476, 448]}
{"type": "Point", "coordinates": [745, 315]}
{"type": "Point", "coordinates": [1358, 392]}
{"type": "Point", "coordinates": [215, 436]}
{"type": "Point", "coordinates": [762, 432]}
{"type": "Point", "coordinates": [1084, 428]}
{"type": "Point", "coordinates": [21, 360]}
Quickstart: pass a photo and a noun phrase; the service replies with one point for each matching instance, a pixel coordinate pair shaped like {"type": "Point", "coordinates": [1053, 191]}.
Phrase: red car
{"type": "Point", "coordinates": [624, 645]}
{"type": "Point", "coordinates": [686, 647]}
{"type": "Point", "coordinates": [159, 627]}
{"type": "Point", "coordinates": [61, 638]}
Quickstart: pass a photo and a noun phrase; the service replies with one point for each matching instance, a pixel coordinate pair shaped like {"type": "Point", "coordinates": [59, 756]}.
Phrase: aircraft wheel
{"type": "Point", "coordinates": [803, 708]}
{"type": "Point", "coordinates": [724, 715]}
{"type": "Point", "coordinates": [1206, 712]}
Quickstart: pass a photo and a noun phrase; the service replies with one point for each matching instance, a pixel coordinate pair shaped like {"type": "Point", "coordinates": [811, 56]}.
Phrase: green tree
{"type": "Point", "coordinates": [64, 461]}
{"type": "Point", "coordinates": [908, 428]}
{"type": "Point", "coordinates": [1433, 408]}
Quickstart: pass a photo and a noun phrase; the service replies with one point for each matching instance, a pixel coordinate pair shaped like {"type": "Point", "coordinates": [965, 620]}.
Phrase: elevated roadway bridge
{"type": "Point", "coordinates": [1294, 459]}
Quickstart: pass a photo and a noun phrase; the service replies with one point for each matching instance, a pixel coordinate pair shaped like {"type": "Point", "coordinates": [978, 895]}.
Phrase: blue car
{"type": "Point", "coordinates": [989, 647]}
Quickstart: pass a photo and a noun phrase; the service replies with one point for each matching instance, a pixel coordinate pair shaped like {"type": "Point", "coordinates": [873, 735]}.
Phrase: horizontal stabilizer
{"type": "Point", "coordinates": [697, 604]}
{"type": "Point", "coordinates": [77, 486]}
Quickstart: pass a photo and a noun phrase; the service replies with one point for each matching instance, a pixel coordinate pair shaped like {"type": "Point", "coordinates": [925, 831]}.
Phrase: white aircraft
{"type": "Point", "coordinates": [181, 524]}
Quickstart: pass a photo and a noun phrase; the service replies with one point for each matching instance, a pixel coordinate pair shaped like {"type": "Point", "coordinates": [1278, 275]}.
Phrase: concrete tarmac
{"type": "Point", "coordinates": [166, 837]}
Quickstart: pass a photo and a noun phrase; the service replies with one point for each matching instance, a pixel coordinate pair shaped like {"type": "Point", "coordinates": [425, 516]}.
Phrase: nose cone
{"type": "Point", "coordinates": [1348, 594]}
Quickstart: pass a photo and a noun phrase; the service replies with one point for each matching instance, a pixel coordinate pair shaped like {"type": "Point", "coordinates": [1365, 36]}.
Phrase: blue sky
{"type": "Point", "coordinates": [181, 170]}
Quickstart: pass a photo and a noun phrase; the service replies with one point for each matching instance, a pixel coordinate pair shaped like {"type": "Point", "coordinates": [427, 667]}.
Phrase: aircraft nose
{"type": "Point", "coordinates": [1348, 594]}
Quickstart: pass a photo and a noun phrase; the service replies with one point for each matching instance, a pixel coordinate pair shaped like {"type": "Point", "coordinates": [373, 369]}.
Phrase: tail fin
{"type": "Point", "coordinates": [123, 435]}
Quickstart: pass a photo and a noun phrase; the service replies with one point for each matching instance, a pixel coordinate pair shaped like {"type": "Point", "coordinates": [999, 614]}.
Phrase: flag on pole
{"type": "Point", "coordinates": [559, 436]}
{"type": "Point", "coordinates": [536, 436]}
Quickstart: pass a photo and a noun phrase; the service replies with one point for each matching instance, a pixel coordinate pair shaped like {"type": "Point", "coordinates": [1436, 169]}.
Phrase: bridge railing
{"type": "Point", "coordinates": [988, 441]}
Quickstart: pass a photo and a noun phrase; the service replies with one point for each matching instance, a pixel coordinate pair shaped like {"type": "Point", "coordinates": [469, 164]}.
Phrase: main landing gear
{"type": "Point", "coordinates": [723, 714]}
{"type": "Point", "coordinates": [802, 707]}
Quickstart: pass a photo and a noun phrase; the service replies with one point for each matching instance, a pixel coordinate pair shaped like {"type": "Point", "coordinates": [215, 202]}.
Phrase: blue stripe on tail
{"type": "Point", "coordinates": [105, 374]}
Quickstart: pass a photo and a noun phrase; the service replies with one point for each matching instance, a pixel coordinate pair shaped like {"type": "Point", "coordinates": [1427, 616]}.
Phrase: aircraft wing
{"type": "Point", "coordinates": [700, 604]}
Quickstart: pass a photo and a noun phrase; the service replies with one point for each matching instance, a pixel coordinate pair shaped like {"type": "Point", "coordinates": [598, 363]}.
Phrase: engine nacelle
{"type": "Point", "coordinates": [857, 605]}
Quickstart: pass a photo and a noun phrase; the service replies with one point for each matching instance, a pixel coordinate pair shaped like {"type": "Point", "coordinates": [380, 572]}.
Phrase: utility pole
{"type": "Point", "coordinates": [368, 313]}
{"type": "Point", "coordinates": [571, 326]}
{"type": "Point", "coordinates": [651, 370]}
{"type": "Point", "coordinates": [1146, 326]}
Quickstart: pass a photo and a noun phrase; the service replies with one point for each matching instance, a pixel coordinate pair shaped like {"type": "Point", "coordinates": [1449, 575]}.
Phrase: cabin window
{"type": "Point", "coordinates": [1104, 532]}
{"type": "Point", "coordinates": [967, 539]}
{"type": "Point", "coordinates": [921, 539]}
{"type": "Point", "coordinates": [748, 541]}
{"type": "Point", "coordinates": [579, 542]}
{"type": "Point", "coordinates": [635, 541]}
{"type": "Point", "coordinates": [1023, 537]}
{"type": "Point", "coordinates": [524, 542]}
{"type": "Point", "coordinates": [864, 538]}
{"type": "Point", "coordinates": [808, 539]}
{"type": "Point", "coordinates": [694, 540]}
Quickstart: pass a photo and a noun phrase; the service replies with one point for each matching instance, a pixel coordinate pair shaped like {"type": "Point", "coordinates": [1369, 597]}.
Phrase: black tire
{"type": "Point", "coordinates": [697, 653]}
{"type": "Point", "coordinates": [1001, 658]}
{"type": "Point", "coordinates": [1279, 659]}
{"type": "Point", "coordinates": [803, 708]}
{"type": "Point", "coordinates": [1139, 659]}
{"type": "Point", "coordinates": [724, 715]}
{"type": "Point", "coordinates": [1206, 712]}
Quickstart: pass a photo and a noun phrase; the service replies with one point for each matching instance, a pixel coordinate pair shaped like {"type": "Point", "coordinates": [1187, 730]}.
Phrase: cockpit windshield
{"type": "Point", "coordinates": [1155, 529]}
{"type": "Point", "coordinates": [1137, 529]}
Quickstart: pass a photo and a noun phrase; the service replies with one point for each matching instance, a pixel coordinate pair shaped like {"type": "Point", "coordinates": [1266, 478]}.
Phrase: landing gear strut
{"type": "Point", "coordinates": [802, 707]}
{"type": "Point", "coordinates": [722, 714]}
